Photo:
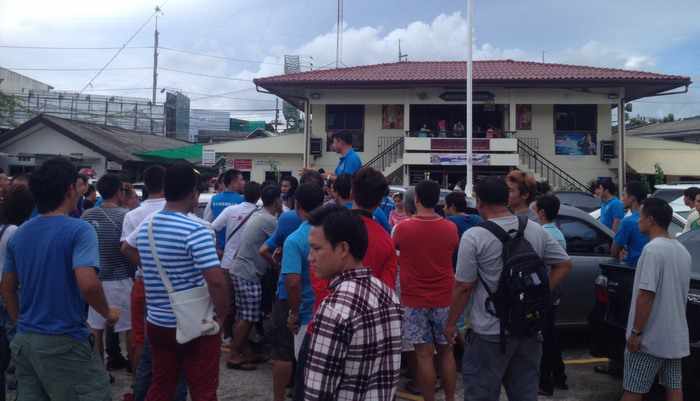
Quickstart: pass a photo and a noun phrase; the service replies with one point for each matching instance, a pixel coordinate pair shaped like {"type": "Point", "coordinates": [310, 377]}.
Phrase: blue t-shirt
{"type": "Point", "coordinates": [611, 210]}
{"type": "Point", "coordinates": [348, 164]}
{"type": "Point", "coordinates": [295, 260]}
{"type": "Point", "coordinates": [288, 222]}
{"type": "Point", "coordinates": [185, 249]}
{"type": "Point", "coordinates": [43, 252]}
{"type": "Point", "coordinates": [629, 237]}
{"type": "Point", "coordinates": [387, 205]}
{"type": "Point", "coordinates": [556, 233]}
{"type": "Point", "coordinates": [219, 202]}
{"type": "Point", "coordinates": [464, 222]}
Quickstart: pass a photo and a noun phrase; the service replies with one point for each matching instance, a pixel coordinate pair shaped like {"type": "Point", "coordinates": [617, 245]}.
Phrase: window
{"type": "Point", "coordinates": [575, 117]}
{"type": "Point", "coordinates": [346, 118]}
{"type": "Point", "coordinates": [582, 238]}
{"type": "Point", "coordinates": [271, 176]}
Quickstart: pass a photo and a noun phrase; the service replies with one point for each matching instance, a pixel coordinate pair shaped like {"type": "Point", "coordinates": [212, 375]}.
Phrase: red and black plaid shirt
{"type": "Point", "coordinates": [355, 348]}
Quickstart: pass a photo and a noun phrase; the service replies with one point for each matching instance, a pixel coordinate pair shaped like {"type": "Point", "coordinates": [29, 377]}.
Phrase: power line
{"type": "Point", "coordinates": [204, 75]}
{"type": "Point", "coordinates": [71, 48]}
{"type": "Point", "coordinates": [76, 69]}
{"type": "Point", "coordinates": [122, 48]}
{"type": "Point", "coordinates": [218, 57]}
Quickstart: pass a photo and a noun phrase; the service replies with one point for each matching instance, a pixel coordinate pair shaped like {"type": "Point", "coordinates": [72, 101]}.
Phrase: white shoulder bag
{"type": "Point", "coordinates": [193, 308]}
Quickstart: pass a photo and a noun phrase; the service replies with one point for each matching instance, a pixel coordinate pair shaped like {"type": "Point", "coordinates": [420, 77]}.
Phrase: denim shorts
{"type": "Point", "coordinates": [425, 325]}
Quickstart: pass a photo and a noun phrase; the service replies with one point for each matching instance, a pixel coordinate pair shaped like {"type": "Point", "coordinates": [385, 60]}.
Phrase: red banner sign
{"type": "Point", "coordinates": [453, 144]}
{"type": "Point", "coordinates": [243, 164]}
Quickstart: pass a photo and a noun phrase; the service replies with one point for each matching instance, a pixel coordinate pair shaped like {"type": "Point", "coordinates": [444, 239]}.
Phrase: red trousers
{"type": "Point", "coordinates": [199, 359]}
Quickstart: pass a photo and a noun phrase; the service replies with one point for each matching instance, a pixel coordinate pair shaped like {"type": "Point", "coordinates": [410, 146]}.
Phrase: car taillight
{"type": "Point", "coordinates": [601, 289]}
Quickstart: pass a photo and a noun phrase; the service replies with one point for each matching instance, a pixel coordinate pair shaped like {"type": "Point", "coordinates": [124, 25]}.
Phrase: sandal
{"type": "Point", "coordinates": [240, 366]}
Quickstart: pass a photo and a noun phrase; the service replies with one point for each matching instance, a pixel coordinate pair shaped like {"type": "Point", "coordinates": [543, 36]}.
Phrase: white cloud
{"type": "Point", "coordinates": [597, 54]}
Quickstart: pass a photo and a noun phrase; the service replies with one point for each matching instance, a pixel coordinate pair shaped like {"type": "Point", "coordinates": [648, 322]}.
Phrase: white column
{"type": "Point", "coordinates": [407, 117]}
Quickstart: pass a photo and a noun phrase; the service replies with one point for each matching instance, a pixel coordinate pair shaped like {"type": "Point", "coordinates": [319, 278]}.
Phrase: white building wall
{"type": "Point", "coordinates": [12, 82]}
{"type": "Point", "coordinates": [46, 141]}
{"type": "Point", "coordinates": [262, 163]}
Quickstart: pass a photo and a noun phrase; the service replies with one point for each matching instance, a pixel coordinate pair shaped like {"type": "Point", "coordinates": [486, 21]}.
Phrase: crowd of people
{"type": "Point", "coordinates": [337, 281]}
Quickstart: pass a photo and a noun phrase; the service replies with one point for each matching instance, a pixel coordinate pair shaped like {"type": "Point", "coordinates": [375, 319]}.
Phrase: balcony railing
{"type": "Point", "coordinates": [548, 171]}
{"type": "Point", "coordinates": [390, 149]}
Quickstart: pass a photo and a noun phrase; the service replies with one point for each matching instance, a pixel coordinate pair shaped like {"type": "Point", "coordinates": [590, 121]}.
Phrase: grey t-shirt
{"type": "Point", "coordinates": [480, 251]}
{"type": "Point", "coordinates": [248, 264]}
{"type": "Point", "coordinates": [664, 269]}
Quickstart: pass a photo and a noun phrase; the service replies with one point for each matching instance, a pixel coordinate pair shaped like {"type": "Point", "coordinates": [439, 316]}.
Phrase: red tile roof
{"type": "Point", "coordinates": [487, 71]}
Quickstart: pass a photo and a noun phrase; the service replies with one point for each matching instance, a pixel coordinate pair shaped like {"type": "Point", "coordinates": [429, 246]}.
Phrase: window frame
{"type": "Point", "coordinates": [358, 134]}
{"type": "Point", "coordinates": [576, 128]}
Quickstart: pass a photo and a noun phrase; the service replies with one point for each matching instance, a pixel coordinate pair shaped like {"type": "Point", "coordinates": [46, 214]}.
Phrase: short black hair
{"type": "Point", "coordinates": [458, 200]}
{"type": "Point", "coordinates": [428, 193]}
{"type": "Point", "coordinates": [342, 225]}
{"type": "Point", "coordinates": [18, 205]}
{"type": "Point", "coordinates": [397, 195]}
{"type": "Point", "coordinates": [343, 185]}
{"type": "Point", "coordinates": [109, 185]}
{"type": "Point", "coordinates": [492, 191]}
{"type": "Point", "coordinates": [369, 187]}
{"type": "Point", "coordinates": [344, 136]}
{"type": "Point", "coordinates": [638, 190]}
{"type": "Point", "coordinates": [293, 183]}
{"type": "Point", "coordinates": [180, 181]}
{"type": "Point", "coordinates": [50, 183]}
{"type": "Point", "coordinates": [550, 205]}
{"type": "Point", "coordinates": [269, 194]}
{"type": "Point", "coordinates": [309, 197]}
{"type": "Point", "coordinates": [251, 192]}
{"type": "Point", "coordinates": [607, 185]}
{"type": "Point", "coordinates": [231, 175]}
{"type": "Point", "coordinates": [691, 192]}
{"type": "Point", "coordinates": [154, 179]}
{"type": "Point", "coordinates": [659, 210]}
{"type": "Point", "coordinates": [311, 176]}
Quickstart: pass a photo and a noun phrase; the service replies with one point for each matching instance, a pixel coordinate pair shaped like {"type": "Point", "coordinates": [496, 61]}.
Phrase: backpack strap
{"type": "Point", "coordinates": [496, 230]}
{"type": "Point", "coordinates": [522, 224]}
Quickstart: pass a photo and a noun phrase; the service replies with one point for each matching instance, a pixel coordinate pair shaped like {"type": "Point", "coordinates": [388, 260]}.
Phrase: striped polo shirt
{"type": "Point", "coordinates": [108, 223]}
{"type": "Point", "coordinates": [185, 248]}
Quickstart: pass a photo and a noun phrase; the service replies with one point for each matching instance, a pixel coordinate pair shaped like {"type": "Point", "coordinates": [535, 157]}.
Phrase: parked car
{"type": "Point", "coordinates": [670, 192]}
{"type": "Point", "coordinates": [588, 243]}
{"type": "Point", "coordinates": [582, 200]}
{"type": "Point", "coordinates": [613, 297]}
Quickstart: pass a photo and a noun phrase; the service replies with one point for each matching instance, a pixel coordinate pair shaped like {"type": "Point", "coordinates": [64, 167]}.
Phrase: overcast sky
{"type": "Point", "coordinates": [642, 34]}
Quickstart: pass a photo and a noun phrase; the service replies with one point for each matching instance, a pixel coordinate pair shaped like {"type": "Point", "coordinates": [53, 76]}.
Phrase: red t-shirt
{"type": "Point", "coordinates": [381, 253]}
{"type": "Point", "coordinates": [426, 246]}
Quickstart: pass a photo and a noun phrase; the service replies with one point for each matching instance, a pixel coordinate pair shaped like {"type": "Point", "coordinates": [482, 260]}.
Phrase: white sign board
{"type": "Point", "coordinates": [208, 157]}
{"type": "Point", "coordinates": [113, 166]}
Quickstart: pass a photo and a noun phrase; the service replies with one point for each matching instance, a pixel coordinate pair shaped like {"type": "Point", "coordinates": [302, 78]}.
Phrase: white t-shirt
{"type": "Point", "coordinates": [231, 218]}
{"type": "Point", "coordinates": [691, 218]}
{"type": "Point", "coordinates": [664, 269]}
{"type": "Point", "coordinates": [9, 232]}
{"type": "Point", "coordinates": [135, 217]}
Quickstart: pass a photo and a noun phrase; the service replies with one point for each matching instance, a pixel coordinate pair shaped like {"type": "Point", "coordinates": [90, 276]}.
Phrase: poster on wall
{"type": "Point", "coordinates": [459, 159]}
{"type": "Point", "coordinates": [392, 116]}
{"type": "Point", "coordinates": [523, 115]}
{"type": "Point", "coordinates": [575, 144]}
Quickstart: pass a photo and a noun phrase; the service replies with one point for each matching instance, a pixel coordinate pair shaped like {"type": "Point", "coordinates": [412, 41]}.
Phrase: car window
{"type": "Point", "coordinates": [582, 238]}
{"type": "Point", "coordinates": [676, 227]}
{"type": "Point", "coordinates": [580, 200]}
{"type": "Point", "coordinates": [691, 240]}
{"type": "Point", "coordinates": [668, 195]}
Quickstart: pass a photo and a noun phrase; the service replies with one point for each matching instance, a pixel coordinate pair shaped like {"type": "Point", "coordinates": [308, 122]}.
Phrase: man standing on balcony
{"type": "Point", "coordinates": [349, 161]}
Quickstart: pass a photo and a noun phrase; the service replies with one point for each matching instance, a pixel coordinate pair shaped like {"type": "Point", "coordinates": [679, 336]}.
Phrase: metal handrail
{"type": "Point", "coordinates": [390, 150]}
{"type": "Point", "coordinates": [554, 175]}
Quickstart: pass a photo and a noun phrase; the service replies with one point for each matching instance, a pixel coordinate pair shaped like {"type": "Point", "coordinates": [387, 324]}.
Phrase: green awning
{"type": "Point", "coordinates": [191, 153]}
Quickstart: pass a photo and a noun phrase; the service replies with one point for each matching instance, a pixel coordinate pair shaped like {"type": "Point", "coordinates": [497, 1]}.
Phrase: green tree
{"type": "Point", "coordinates": [8, 106]}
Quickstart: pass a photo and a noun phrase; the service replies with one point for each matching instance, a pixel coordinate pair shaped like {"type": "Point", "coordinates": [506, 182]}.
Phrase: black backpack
{"type": "Point", "coordinates": [522, 298]}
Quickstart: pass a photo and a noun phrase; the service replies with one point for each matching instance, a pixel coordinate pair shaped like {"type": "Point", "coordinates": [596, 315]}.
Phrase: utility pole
{"type": "Point", "coordinates": [155, 58]}
{"type": "Point", "coordinates": [402, 57]}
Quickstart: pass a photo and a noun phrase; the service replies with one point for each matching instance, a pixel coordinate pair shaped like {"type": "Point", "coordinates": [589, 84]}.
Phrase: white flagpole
{"type": "Point", "coordinates": [470, 20]}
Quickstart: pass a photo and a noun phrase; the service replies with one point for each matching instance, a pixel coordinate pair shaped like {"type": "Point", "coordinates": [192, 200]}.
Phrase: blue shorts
{"type": "Point", "coordinates": [425, 325]}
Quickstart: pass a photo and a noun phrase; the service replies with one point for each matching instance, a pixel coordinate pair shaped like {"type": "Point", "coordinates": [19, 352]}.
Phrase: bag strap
{"type": "Point", "coordinates": [3, 229]}
{"type": "Point", "coordinates": [152, 243]}
{"type": "Point", "coordinates": [240, 225]}
{"type": "Point", "coordinates": [109, 218]}
{"type": "Point", "coordinates": [522, 224]}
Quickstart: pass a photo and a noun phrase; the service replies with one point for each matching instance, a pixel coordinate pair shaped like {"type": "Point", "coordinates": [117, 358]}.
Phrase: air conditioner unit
{"type": "Point", "coordinates": [315, 147]}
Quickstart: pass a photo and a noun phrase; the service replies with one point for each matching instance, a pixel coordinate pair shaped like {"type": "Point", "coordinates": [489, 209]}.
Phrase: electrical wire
{"type": "Point", "coordinates": [198, 74]}
{"type": "Point", "coordinates": [158, 9]}
{"type": "Point", "coordinates": [70, 48]}
{"type": "Point", "coordinates": [77, 69]}
{"type": "Point", "coordinates": [217, 57]}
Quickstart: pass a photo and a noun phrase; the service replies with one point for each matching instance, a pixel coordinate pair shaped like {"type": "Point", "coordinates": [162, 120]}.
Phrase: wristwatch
{"type": "Point", "coordinates": [636, 333]}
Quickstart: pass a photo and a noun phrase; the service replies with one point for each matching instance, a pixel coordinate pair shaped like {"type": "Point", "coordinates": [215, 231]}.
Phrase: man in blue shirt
{"type": "Point", "coordinates": [629, 241]}
{"type": "Point", "coordinates": [234, 182]}
{"type": "Point", "coordinates": [292, 311]}
{"type": "Point", "coordinates": [612, 211]}
{"type": "Point", "coordinates": [349, 160]}
{"type": "Point", "coordinates": [55, 258]}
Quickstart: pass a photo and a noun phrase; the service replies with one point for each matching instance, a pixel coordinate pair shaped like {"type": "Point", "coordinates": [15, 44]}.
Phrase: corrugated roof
{"type": "Point", "coordinates": [452, 71]}
{"type": "Point", "coordinates": [688, 126]}
{"type": "Point", "coordinates": [117, 143]}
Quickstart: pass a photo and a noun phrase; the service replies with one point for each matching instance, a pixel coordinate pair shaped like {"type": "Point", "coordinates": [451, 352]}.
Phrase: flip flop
{"type": "Point", "coordinates": [258, 359]}
{"type": "Point", "coordinates": [240, 366]}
